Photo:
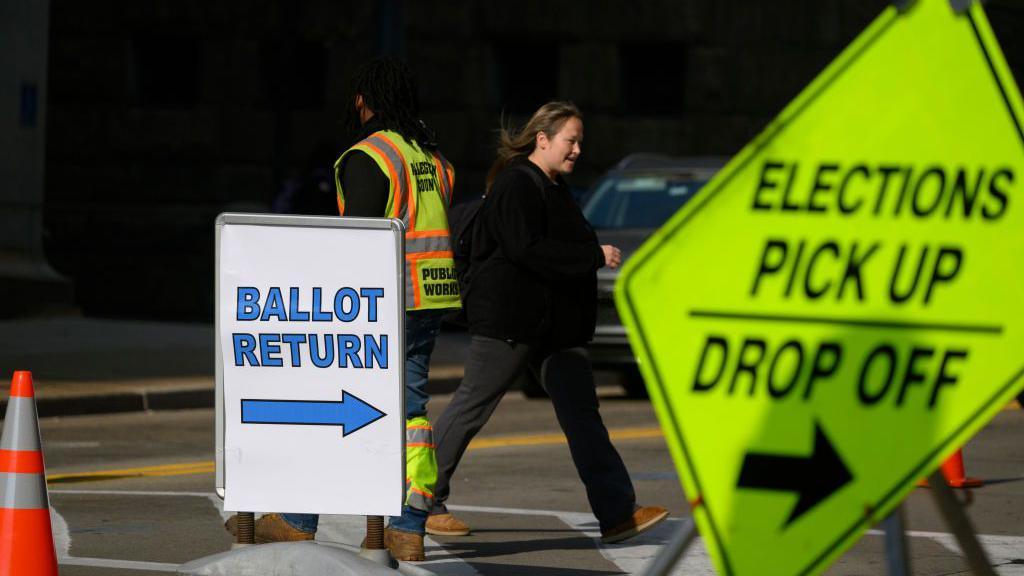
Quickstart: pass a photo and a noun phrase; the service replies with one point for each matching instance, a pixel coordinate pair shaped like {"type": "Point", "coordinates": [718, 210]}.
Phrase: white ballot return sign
{"type": "Point", "coordinates": [310, 380]}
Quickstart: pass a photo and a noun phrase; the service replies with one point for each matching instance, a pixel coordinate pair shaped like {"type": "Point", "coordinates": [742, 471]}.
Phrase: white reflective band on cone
{"type": "Point", "coordinates": [23, 491]}
{"type": "Point", "coordinates": [20, 429]}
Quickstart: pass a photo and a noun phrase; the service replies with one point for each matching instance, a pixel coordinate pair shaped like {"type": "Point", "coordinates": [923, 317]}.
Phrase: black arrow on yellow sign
{"type": "Point", "coordinates": [815, 477]}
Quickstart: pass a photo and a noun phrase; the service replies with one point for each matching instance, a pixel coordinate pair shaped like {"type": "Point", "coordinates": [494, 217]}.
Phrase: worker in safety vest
{"type": "Point", "coordinates": [396, 171]}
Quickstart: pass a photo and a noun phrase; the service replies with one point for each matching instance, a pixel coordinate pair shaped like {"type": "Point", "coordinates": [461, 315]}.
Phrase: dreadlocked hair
{"type": "Point", "coordinates": [389, 89]}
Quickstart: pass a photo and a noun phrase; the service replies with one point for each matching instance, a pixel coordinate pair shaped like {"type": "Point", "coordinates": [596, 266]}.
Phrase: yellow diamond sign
{"type": "Point", "coordinates": [841, 307]}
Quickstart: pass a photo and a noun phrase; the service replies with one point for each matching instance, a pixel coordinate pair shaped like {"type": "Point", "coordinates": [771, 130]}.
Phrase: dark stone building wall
{"type": "Point", "coordinates": [164, 113]}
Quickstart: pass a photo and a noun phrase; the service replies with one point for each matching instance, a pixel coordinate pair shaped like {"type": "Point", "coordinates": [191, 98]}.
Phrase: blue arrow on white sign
{"type": "Point", "coordinates": [352, 413]}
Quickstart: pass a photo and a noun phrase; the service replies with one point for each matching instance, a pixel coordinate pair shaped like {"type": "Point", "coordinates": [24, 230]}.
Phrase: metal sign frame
{"type": "Point", "coordinates": [392, 225]}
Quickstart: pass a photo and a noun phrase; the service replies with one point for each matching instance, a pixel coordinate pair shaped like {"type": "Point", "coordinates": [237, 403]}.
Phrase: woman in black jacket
{"type": "Point", "coordinates": [531, 305]}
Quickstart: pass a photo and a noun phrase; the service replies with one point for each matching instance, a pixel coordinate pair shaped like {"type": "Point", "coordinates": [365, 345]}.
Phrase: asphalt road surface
{"type": "Point", "coordinates": [132, 494]}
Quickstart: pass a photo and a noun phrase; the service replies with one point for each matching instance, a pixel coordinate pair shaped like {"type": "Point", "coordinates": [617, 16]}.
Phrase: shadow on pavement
{"type": "Point", "coordinates": [500, 570]}
{"type": "Point", "coordinates": [1002, 480]}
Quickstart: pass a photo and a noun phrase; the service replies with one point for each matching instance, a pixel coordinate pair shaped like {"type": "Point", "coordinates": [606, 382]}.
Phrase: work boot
{"type": "Point", "coordinates": [273, 528]}
{"type": "Point", "coordinates": [642, 520]}
{"type": "Point", "coordinates": [446, 525]}
{"type": "Point", "coordinates": [231, 525]}
{"type": "Point", "coordinates": [404, 546]}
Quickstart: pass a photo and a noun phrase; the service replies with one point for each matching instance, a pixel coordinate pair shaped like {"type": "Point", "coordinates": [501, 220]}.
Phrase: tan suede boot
{"type": "Point", "coordinates": [273, 528]}
{"type": "Point", "coordinates": [642, 520]}
{"type": "Point", "coordinates": [446, 525]}
{"type": "Point", "coordinates": [231, 524]}
{"type": "Point", "coordinates": [404, 546]}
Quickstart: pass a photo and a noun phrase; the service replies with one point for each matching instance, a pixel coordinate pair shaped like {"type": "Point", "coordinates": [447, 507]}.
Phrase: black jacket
{"type": "Point", "coordinates": [534, 259]}
{"type": "Point", "coordinates": [366, 187]}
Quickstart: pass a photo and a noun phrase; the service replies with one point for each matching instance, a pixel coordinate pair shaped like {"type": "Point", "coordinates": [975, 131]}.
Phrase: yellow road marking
{"type": "Point", "coordinates": [547, 439]}
{"type": "Point", "coordinates": [207, 466]}
{"type": "Point", "coordinates": [203, 467]}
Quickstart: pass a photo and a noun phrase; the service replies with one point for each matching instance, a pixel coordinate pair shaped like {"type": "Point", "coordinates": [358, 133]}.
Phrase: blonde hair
{"type": "Point", "coordinates": [512, 143]}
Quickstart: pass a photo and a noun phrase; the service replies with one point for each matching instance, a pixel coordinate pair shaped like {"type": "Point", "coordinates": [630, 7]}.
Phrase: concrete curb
{"type": "Point", "coordinates": [176, 398]}
{"type": "Point", "coordinates": [128, 401]}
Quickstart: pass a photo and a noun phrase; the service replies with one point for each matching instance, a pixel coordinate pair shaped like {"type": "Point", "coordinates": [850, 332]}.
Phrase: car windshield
{"type": "Point", "coordinates": [638, 201]}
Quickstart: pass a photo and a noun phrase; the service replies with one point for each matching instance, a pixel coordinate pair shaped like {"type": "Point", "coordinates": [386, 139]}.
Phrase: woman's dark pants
{"type": "Point", "coordinates": [491, 369]}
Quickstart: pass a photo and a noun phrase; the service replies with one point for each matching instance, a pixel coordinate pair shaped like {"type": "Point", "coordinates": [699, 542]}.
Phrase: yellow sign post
{"type": "Point", "coordinates": [843, 305]}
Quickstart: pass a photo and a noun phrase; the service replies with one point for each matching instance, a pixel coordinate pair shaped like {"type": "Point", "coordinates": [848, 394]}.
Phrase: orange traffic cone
{"type": "Point", "coordinates": [26, 539]}
{"type": "Point", "coordinates": [956, 476]}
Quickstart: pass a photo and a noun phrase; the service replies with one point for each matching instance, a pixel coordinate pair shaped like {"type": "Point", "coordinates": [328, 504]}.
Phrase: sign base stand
{"type": "Point", "coordinates": [289, 558]}
{"type": "Point", "coordinates": [673, 551]}
{"type": "Point", "coordinates": [896, 544]}
{"type": "Point", "coordinates": [374, 549]}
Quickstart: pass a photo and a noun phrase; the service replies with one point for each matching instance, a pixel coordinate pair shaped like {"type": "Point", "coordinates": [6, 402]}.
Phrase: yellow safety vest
{"type": "Point", "coordinates": [420, 193]}
{"type": "Point", "coordinates": [420, 464]}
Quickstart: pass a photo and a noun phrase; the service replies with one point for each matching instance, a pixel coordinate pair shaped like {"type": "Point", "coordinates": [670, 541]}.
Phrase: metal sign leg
{"type": "Point", "coordinates": [960, 525]}
{"type": "Point", "coordinates": [373, 548]}
{"type": "Point", "coordinates": [246, 532]}
{"type": "Point", "coordinates": [896, 544]}
{"type": "Point", "coordinates": [374, 532]}
{"type": "Point", "coordinates": [668, 557]}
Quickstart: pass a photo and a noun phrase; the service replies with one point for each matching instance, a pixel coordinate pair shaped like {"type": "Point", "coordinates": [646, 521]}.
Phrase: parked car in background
{"type": "Point", "coordinates": [625, 207]}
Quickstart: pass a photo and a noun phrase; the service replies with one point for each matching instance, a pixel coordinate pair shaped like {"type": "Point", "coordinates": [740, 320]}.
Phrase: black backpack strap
{"type": "Point", "coordinates": [537, 178]}
{"type": "Point", "coordinates": [534, 176]}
